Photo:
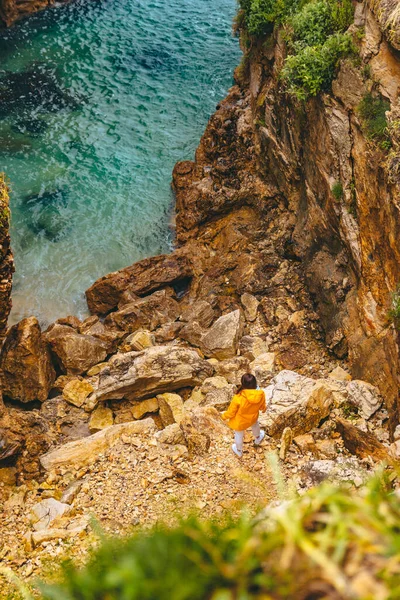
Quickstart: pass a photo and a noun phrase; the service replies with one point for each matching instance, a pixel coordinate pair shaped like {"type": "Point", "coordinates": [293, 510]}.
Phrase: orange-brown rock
{"type": "Point", "coordinates": [142, 278]}
{"type": "Point", "coordinates": [25, 363]}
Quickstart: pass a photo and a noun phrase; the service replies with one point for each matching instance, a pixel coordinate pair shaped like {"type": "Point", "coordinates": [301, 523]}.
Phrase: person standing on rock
{"type": "Point", "coordinates": [243, 412]}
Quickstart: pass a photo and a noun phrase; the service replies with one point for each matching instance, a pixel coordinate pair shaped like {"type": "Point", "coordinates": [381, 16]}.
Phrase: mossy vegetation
{"type": "Point", "coordinates": [309, 547]}
{"type": "Point", "coordinates": [337, 190]}
{"type": "Point", "coordinates": [372, 112]}
{"type": "Point", "coordinates": [315, 35]}
{"type": "Point", "coordinates": [394, 312]}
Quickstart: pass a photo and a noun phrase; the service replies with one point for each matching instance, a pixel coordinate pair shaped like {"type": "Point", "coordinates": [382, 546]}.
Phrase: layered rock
{"type": "Point", "coordinates": [136, 375]}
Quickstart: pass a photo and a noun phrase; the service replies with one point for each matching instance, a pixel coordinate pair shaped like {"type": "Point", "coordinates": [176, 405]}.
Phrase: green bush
{"type": "Point", "coordinates": [312, 69]}
{"type": "Point", "coordinates": [314, 30]}
{"type": "Point", "coordinates": [299, 550]}
{"type": "Point", "coordinates": [372, 111]}
{"type": "Point", "coordinates": [261, 15]}
{"type": "Point", "coordinates": [312, 25]}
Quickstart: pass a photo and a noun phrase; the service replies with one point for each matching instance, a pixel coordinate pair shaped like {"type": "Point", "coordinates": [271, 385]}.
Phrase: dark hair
{"type": "Point", "coordinates": [248, 382]}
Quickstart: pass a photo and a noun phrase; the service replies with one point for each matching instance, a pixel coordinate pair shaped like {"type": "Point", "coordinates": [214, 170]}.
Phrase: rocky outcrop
{"type": "Point", "coordinates": [296, 402]}
{"type": "Point", "coordinates": [25, 363]}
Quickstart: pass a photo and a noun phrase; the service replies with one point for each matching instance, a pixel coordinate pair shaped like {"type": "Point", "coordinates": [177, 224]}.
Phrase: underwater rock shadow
{"type": "Point", "coordinates": [36, 88]}
{"type": "Point", "coordinates": [46, 215]}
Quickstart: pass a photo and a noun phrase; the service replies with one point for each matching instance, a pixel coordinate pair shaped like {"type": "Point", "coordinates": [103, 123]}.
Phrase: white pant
{"type": "Point", "coordinates": [239, 435]}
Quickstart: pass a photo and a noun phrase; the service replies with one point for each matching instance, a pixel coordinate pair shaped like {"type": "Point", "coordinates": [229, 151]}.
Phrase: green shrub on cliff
{"type": "Point", "coordinates": [312, 69]}
{"type": "Point", "coordinates": [314, 31]}
{"type": "Point", "coordinates": [311, 547]}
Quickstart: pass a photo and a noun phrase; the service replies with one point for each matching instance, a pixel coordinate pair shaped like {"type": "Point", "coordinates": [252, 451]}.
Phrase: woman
{"type": "Point", "coordinates": [243, 412]}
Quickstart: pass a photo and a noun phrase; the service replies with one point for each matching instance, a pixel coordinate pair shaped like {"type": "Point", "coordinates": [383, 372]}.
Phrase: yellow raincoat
{"type": "Point", "coordinates": [244, 408]}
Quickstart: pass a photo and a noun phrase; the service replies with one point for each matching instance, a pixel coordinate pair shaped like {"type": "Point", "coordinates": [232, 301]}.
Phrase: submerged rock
{"type": "Point", "coordinates": [36, 88]}
{"type": "Point", "coordinates": [31, 126]}
{"type": "Point", "coordinates": [46, 213]}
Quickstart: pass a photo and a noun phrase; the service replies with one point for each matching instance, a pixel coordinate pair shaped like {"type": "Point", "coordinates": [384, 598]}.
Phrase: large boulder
{"type": "Point", "coordinates": [136, 375]}
{"type": "Point", "coordinates": [147, 313]}
{"type": "Point", "coordinates": [221, 340]}
{"type": "Point", "coordinates": [142, 278]}
{"type": "Point", "coordinates": [75, 353]}
{"type": "Point", "coordinates": [87, 450]}
{"type": "Point", "coordinates": [25, 361]}
{"type": "Point", "coordinates": [297, 402]}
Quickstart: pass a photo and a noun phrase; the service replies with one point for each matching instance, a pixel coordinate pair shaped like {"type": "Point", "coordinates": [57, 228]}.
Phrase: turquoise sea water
{"type": "Point", "coordinates": [98, 100]}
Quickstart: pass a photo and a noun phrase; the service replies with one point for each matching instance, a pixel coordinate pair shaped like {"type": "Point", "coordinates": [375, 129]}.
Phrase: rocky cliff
{"type": "Point", "coordinates": [333, 189]}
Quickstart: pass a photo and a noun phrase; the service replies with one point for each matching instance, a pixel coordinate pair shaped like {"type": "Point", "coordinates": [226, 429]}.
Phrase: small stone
{"type": "Point", "coordinates": [171, 408]}
{"type": "Point", "coordinates": [140, 340]}
{"type": "Point", "coordinates": [8, 475]}
{"type": "Point", "coordinates": [305, 443]}
{"type": "Point", "coordinates": [146, 406]}
{"type": "Point", "coordinates": [340, 374]}
{"type": "Point", "coordinates": [45, 512]}
{"type": "Point", "coordinates": [286, 440]}
{"type": "Point", "coordinates": [101, 418]}
{"type": "Point", "coordinates": [71, 492]}
{"type": "Point", "coordinates": [172, 434]}
{"type": "Point", "coordinates": [76, 391]}
{"type": "Point", "coordinates": [250, 305]}
{"type": "Point", "coordinates": [263, 368]}
{"type": "Point", "coordinates": [252, 347]}
{"type": "Point", "coordinates": [326, 449]}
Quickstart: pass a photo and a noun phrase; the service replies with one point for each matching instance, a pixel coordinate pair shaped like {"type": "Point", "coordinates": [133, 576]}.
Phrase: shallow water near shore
{"type": "Point", "coordinates": [98, 100]}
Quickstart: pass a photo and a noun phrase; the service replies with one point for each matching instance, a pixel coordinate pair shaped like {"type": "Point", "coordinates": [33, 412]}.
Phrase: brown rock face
{"type": "Point", "coordinates": [75, 353]}
{"type": "Point", "coordinates": [142, 278]}
{"type": "Point", "coordinates": [25, 362]}
{"type": "Point", "coordinates": [6, 259]}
